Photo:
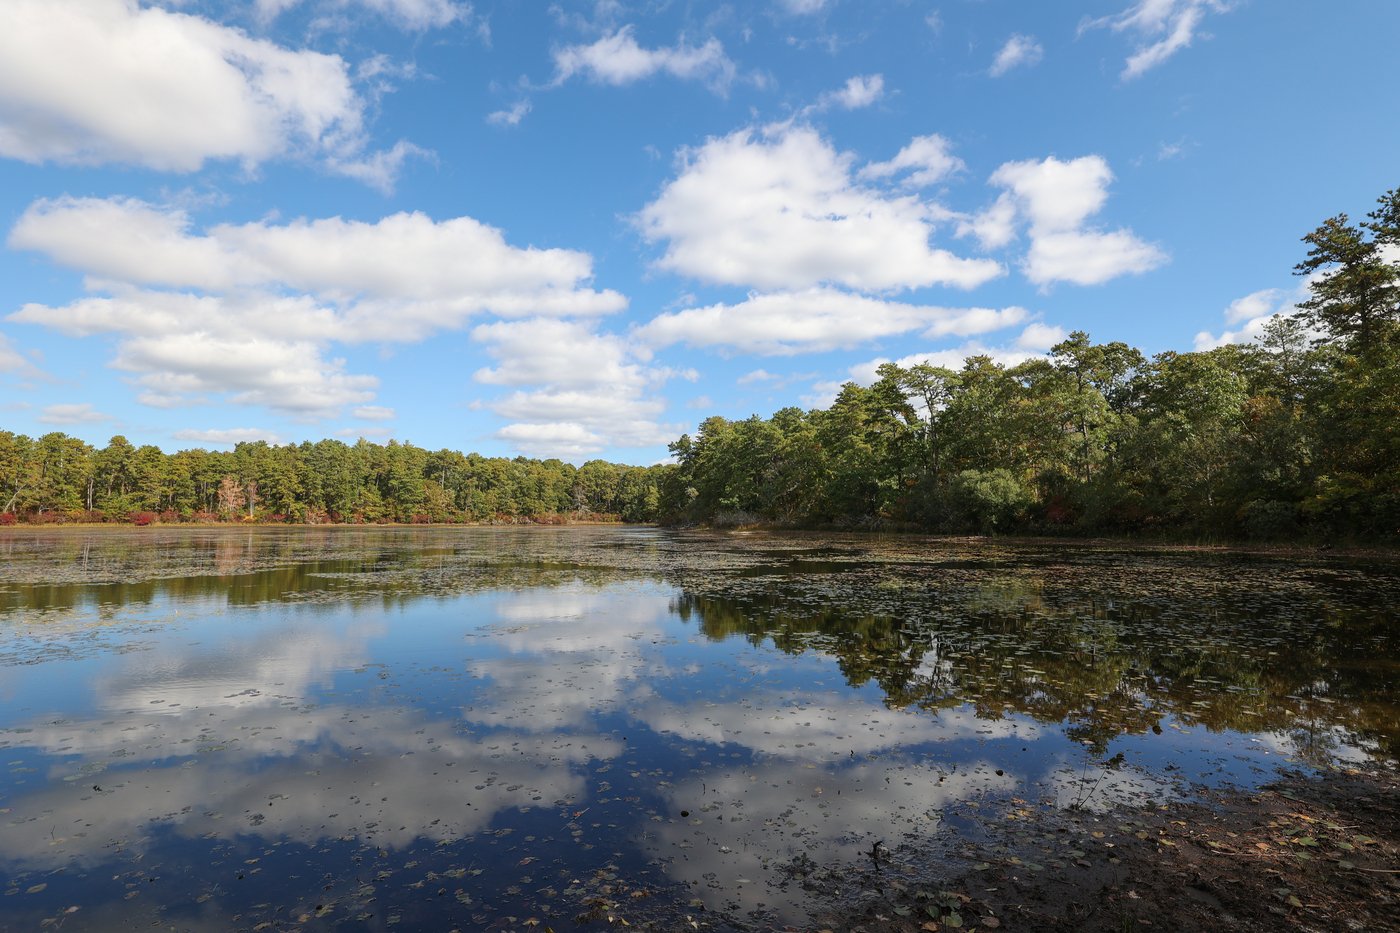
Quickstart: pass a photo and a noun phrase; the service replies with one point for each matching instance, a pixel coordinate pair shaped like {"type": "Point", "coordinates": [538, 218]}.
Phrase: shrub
{"type": "Point", "coordinates": [734, 518]}
{"type": "Point", "coordinates": [8, 518]}
{"type": "Point", "coordinates": [169, 517]}
{"type": "Point", "coordinates": [988, 500]}
{"type": "Point", "coordinates": [1270, 520]}
{"type": "Point", "coordinates": [141, 519]}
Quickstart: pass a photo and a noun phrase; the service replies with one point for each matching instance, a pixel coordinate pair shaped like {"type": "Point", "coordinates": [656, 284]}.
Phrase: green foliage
{"type": "Point", "coordinates": [1290, 437]}
{"type": "Point", "coordinates": [60, 478]}
{"type": "Point", "coordinates": [986, 501]}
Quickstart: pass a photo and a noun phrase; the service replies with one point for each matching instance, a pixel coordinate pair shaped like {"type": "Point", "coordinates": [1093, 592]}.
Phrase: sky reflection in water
{"type": "Point", "coordinates": [458, 726]}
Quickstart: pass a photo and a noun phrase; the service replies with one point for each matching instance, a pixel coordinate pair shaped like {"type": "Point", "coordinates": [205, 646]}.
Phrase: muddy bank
{"type": "Point", "coordinates": [1320, 853]}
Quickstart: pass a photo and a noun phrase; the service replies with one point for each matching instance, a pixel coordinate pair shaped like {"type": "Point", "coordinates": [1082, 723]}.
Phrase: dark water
{"type": "Point", "coordinates": [480, 728]}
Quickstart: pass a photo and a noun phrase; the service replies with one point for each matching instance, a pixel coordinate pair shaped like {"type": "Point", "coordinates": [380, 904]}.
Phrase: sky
{"type": "Point", "coordinates": [576, 230]}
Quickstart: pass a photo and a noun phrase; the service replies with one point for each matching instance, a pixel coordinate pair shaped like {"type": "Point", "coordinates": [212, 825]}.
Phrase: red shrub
{"type": "Point", "coordinates": [7, 518]}
{"type": "Point", "coordinates": [141, 518]}
{"type": "Point", "coordinates": [169, 517]}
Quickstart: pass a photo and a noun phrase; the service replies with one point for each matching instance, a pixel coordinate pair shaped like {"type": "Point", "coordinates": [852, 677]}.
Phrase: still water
{"type": "Point", "coordinates": [489, 728]}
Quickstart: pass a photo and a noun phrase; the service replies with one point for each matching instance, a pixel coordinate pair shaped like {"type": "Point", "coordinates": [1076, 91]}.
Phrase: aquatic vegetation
{"type": "Point", "coordinates": [606, 724]}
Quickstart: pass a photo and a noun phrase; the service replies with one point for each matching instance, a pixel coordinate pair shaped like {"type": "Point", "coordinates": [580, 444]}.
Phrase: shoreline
{"type": "Point", "coordinates": [1306, 852]}
{"type": "Point", "coordinates": [1369, 551]}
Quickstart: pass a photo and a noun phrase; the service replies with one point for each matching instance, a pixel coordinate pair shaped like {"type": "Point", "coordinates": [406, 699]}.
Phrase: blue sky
{"type": "Point", "coordinates": [577, 229]}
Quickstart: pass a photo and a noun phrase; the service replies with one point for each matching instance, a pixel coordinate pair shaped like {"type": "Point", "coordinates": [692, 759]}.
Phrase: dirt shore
{"type": "Point", "coordinates": [1306, 854]}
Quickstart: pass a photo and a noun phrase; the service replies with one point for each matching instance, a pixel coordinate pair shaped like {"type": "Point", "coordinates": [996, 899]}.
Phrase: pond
{"type": "Point", "coordinates": [479, 728]}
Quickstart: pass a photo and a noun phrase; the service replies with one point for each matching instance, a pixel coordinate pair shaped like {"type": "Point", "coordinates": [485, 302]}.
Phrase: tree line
{"type": "Point", "coordinates": [57, 478]}
{"type": "Point", "coordinates": [1295, 434]}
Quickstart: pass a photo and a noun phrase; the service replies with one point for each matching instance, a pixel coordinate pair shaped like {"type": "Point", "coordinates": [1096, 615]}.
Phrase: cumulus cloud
{"type": "Point", "coordinates": [1163, 28]}
{"type": "Point", "coordinates": [994, 227]}
{"type": "Point", "coordinates": [1246, 317]}
{"type": "Point", "coordinates": [617, 59]}
{"type": "Point", "coordinates": [102, 81]}
{"type": "Point", "coordinates": [779, 209]}
{"type": "Point", "coordinates": [1018, 52]}
{"type": "Point", "coordinates": [374, 413]}
{"type": "Point", "coordinates": [1057, 200]}
{"type": "Point", "coordinates": [927, 160]}
{"type": "Point", "coordinates": [858, 92]}
{"type": "Point", "coordinates": [225, 437]}
{"type": "Point", "coordinates": [815, 320]}
{"type": "Point", "coordinates": [250, 310]}
{"type": "Point", "coordinates": [82, 413]}
{"type": "Point", "coordinates": [398, 278]}
{"type": "Point", "coordinates": [576, 391]}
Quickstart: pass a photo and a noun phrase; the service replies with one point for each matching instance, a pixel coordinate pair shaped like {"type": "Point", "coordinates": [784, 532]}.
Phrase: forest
{"type": "Point", "coordinates": [58, 478]}
{"type": "Point", "coordinates": [1291, 436]}
{"type": "Point", "coordinates": [1296, 434]}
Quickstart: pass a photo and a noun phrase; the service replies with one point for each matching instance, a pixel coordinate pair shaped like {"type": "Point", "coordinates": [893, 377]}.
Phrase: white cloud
{"type": "Point", "coordinates": [181, 348]}
{"type": "Point", "coordinates": [994, 227]}
{"type": "Point", "coordinates": [757, 375]}
{"type": "Point", "coordinates": [98, 81]}
{"type": "Point", "coordinates": [617, 59]}
{"type": "Point", "coordinates": [377, 169]}
{"type": "Point", "coordinates": [858, 92]}
{"type": "Point", "coordinates": [412, 15]}
{"type": "Point", "coordinates": [815, 320]}
{"type": "Point", "coordinates": [1254, 305]}
{"type": "Point", "coordinates": [561, 439]}
{"type": "Point", "coordinates": [1164, 27]}
{"type": "Point", "coordinates": [375, 413]}
{"type": "Point", "coordinates": [82, 413]}
{"type": "Point", "coordinates": [778, 209]}
{"type": "Point", "coordinates": [561, 353]}
{"type": "Point", "coordinates": [1088, 257]}
{"type": "Point", "coordinates": [1057, 199]}
{"type": "Point", "coordinates": [13, 362]}
{"type": "Point", "coordinates": [1252, 312]}
{"type": "Point", "coordinates": [1055, 195]}
{"type": "Point", "coordinates": [399, 278]}
{"type": "Point", "coordinates": [259, 304]}
{"type": "Point", "coordinates": [1018, 52]}
{"type": "Point", "coordinates": [225, 437]}
{"type": "Point", "coordinates": [576, 390]}
{"type": "Point", "coordinates": [1039, 338]}
{"type": "Point", "coordinates": [293, 377]}
{"type": "Point", "coordinates": [928, 159]}
{"type": "Point", "coordinates": [511, 116]}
